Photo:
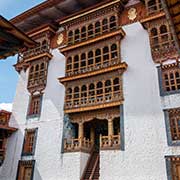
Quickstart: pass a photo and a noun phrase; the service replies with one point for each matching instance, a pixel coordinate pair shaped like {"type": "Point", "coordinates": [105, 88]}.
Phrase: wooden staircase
{"type": "Point", "coordinates": [91, 171]}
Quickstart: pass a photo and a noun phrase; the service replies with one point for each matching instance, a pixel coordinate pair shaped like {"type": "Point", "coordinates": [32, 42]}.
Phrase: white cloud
{"type": "Point", "coordinates": [6, 106]}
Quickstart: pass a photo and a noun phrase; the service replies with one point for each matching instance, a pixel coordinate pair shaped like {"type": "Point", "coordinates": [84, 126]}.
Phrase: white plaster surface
{"type": "Point", "coordinates": [144, 124]}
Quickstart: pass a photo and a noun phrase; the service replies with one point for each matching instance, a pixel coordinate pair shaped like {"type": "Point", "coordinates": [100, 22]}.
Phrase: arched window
{"type": "Point", "coordinates": [108, 87]}
{"type": "Point", "coordinates": [113, 24]}
{"type": "Point", "coordinates": [152, 6]}
{"type": "Point", "coordinates": [83, 60]}
{"type": "Point", "coordinates": [154, 38]}
{"type": "Point", "coordinates": [31, 69]}
{"type": "Point", "coordinates": [98, 57]}
{"type": "Point", "coordinates": [76, 63]}
{"type": "Point", "coordinates": [164, 34]}
{"type": "Point", "coordinates": [114, 52]}
{"type": "Point", "coordinates": [76, 95]}
{"type": "Point", "coordinates": [90, 58]}
{"type": "Point", "coordinates": [90, 31]}
{"type": "Point", "coordinates": [99, 88]}
{"type": "Point", "coordinates": [166, 82]}
{"type": "Point", "coordinates": [83, 92]}
{"type": "Point", "coordinates": [105, 54]}
{"type": "Point", "coordinates": [37, 67]}
{"type": "Point", "coordinates": [91, 91]}
{"type": "Point", "coordinates": [83, 33]}
{"type": "Point", "coordinates": [42, 66]}
{"type": "Point", "coordinates": [69, 64]}
{"type": "Point", "coordinates": [69, 94]}
{"type": "Point", "coordinates": [97, 28]}
{"type": "Point", "coordinates": [116, 85]}
{"type": "Point", "coordinates": [77, 35]}
{"type": "Point", "coordinates": [70, 37]}
{"type": "Point", "coordinates": [105, 25]}
{"type": "Point", "coordinates": [177, 76]}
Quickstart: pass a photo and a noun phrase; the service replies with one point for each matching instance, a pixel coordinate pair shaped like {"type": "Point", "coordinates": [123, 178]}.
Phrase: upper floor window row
{"type": "Point", "coordinates": [93, 59]}
{"type": "Point", "coordinates": [161, 37]}
{"type": "Point", "coordinates": [92, 30]}
{"type": "Point", "coordinates": [153, 6]}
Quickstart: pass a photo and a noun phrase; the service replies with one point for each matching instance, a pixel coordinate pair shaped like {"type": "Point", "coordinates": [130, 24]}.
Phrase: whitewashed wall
{"type": "Point", "coordinates": [50, 163]}
{"type": "Point", "coordinates": [144, 124]}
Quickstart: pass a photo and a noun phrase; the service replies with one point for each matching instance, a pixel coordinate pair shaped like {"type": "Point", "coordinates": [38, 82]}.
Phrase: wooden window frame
{"type": "Point", "coordinates": [22, 165]}
{"type": "Point", "coordinates": [31, 109]}
{"type": "Point", "coordinates": [29, 150]}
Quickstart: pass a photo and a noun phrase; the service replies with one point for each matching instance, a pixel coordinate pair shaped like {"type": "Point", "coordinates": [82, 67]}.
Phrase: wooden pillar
{"type": "Point", "coordinates": [80, 134]}
{"type": "Point", "coordinates": [110, 127]}
{"type": "Point", "coordinates": [92, 135]}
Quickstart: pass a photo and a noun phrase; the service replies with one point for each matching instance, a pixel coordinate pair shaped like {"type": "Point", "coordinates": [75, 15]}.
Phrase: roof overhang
{"type": "Point", "coordinates": [12, 39]}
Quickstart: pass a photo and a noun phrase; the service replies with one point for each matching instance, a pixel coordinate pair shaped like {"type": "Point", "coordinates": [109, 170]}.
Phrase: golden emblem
{"type": "Point", "coordinates": [60, 39]}
{"type": "Point", "coordinates": [132, 14]}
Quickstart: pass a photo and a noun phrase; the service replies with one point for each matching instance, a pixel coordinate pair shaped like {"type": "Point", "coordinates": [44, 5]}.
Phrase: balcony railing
{"type": "Point", "coordinates": [34, 52]}
{"type": "Point", "coordinates": [80, 144]}
{"type": "Point", "coordinates": [164, 51]}
{"type": "Point", "coordinates": [94, 100]}
{"type": "Point", "coordinates": [93, 67]}
{"type": "Point", "coordinates": [110, 142]}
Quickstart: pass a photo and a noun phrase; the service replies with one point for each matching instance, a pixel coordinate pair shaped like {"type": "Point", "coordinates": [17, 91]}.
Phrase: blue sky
{"type": "Point", "coordinates": [8, 76]}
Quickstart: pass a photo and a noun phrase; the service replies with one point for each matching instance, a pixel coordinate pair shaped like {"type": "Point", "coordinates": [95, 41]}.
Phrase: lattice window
{"type": "Point", "coordinates": [37, 75]}
{"type": "Point", "coordinates": [174, 118]}
{"type": "Point", "coordinates": [25, 170]}
{"type": "Point", "coordinates": [153, 6]}
{"type": "Point", "coordinates": [171, 79]}
{"type": "Point", "coordinates": [35, 105]}
{"type": "Point", "coordinates": [29, 141]}
{"type": "Point", "coordinates": [97, 91]}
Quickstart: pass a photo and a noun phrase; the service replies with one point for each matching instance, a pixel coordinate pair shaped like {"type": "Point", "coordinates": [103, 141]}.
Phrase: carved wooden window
{"type": "Point", "coordinates": [69, 65]}
{"type": "Point", "coordinates": [105, 25]}
{"type": "Point", "coordinates": [76, 63]}
{"type": "Point", "coordinates": [97, 28]}
{"type": "Point", "coordinates": [90, 31]}
{"type": "Point", "coordinates": [35, 105]}
{"type": "Point", "coordinates": [77, 35]}
{"type": "Point", "coordinates": [37, 75]}
{"type": "Point", "coordinates": [98, 57]}
{"type": "Point", "coordinates": [105, 54]}
{"type": "Point", "coordinates": [29, 141]}
{"type": "Point", "coordinates": [153, 6]}
{"type": "Point", "coordinates": [76, 95]}
{"type": "Point", "coordinates": [161, 36]}
{"type": "Point", "coordinates": [174, 118]}
{"type": "Point", "coordinates": [88, 61]}
{"type": "Point", "coordinates": [90, 93]}
{"type": "Point", "coordinates": [173, 167]}
{"type": "Point", "coordinates": [171, 79]}
{"type": "Point", "coordinates": [70, 38]}
{"type": "Point", "coordinates": [114, 51]}
{"type": "Point", "coordinates": [83, 33]}
{"type": "Point", "coordinates": [83, 61]}
{"type": "Point", "coordinates": [25, 170]}
{"type": "Point", "coordinates": [113, 23]}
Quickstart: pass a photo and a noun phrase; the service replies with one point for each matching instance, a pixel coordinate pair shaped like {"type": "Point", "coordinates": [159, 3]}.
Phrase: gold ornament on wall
{"type": "Point", "coordinates": [132, 14]}
{"type": "Point", "coordinates": [60, 39]}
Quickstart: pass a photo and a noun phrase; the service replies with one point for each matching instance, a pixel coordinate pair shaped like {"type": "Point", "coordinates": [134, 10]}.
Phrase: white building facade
{"type": "Point", "coordinates": [127, 126]}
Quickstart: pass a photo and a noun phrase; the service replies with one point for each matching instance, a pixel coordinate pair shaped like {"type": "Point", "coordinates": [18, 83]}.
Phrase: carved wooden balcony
{"type": "Point", "coordinates": [35, 53]}
{"type": "Point", "coordinates": [162, 52]}
{"type": "Point", "coordinates": [94, 102]}
{"type": "Point", "coordinates": [79, 144]}
{"type": "Point", "coordinates": [110, 142]}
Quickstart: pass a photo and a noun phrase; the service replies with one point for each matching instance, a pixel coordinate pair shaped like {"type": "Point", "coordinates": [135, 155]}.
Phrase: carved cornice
{"type": "Point", "coordinates": [93, 107]}
{"type": "Point", "coordinates": [122, 66]}
{"type": "Point", "coordinates": [101, 114]}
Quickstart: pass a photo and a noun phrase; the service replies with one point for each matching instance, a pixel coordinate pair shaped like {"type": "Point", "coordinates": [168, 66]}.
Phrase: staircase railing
{"type": "Point", "coordinates": [88, 161]}
{"type": "Point", "coordinates": [94, 168]}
